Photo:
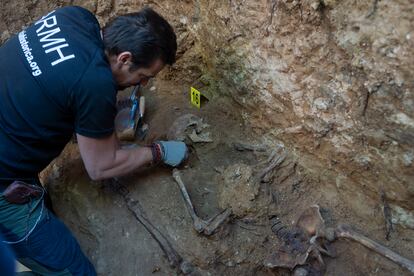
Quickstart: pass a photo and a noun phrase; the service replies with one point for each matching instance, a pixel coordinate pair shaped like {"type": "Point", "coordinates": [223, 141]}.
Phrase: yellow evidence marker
{"type": "Point", "coordinates": [195, 97]}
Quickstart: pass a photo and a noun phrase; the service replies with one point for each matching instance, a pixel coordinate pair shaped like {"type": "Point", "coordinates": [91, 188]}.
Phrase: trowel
{"type": "Point", "coordinates": [129, 123]}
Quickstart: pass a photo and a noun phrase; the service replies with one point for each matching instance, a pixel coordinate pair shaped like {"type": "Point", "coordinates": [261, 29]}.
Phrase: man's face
{"type": "Point", "coordinates": [125, 77]}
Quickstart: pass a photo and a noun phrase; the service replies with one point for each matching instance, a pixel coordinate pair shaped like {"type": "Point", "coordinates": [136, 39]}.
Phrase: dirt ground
{"type": "Point", "coordinates": [330, 78]}
{"type": "Point", "coordinates": [118, 244]}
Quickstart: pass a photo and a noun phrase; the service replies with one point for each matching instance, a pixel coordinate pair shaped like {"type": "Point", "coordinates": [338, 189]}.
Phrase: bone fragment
{"type": "Point", "coordinates": [178, 129]}
{"type": "Point", "coordinates": [249, 147]}
{"type": "Point", "coordinates": [200, 138]}
{"type": "Point", "coordinates": [172, 255]}
{"type": "Point", "coordinates": [174, 258]}
{"type": "Point", "coordinates": [216, 221]}
{"type": "Point", "coordinates": [289, 259]}
{"type": "Point", "coordinates": [201, 226]}
{"type": "Point", "coordinates": [311, 220]}
{"type": "Point", "coordinates": [344, 231]}
{"type": "Point", "coordinates": [184, 193]}
{"type": "Point", "coordinates": [387, 216]}
{"type": "Point", "coordinates": [275, 162]}
{"type": "Point", "coordinates": [313, 224]}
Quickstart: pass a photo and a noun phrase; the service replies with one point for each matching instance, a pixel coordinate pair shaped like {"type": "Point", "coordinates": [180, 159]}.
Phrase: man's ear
{"type": "Point", "coordinates": [124, 58]}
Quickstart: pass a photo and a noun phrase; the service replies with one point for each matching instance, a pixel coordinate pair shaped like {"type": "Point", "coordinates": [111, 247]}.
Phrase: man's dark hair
{"type": "Point", "coordinates": [145, 34]}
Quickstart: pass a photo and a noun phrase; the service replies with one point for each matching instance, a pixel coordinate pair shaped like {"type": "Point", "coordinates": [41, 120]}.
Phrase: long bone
{"type": "Point", "coordinates": [174, 258]}
{"type": "Point", "coordinates": [206, 227]}
{"type": "Point", "coordinates": [345, 231]}
{"type": "Point", "coordinates": [312, 223]}
{"type": "Point", "coordinates": [311, 220]}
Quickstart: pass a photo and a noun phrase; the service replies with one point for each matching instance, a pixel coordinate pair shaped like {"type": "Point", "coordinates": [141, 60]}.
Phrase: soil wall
{"type": "Point", "coordinates": [332, 80]}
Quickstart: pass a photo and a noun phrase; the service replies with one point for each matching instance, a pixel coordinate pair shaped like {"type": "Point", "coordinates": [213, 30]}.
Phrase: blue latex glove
{"type": "Point", "coordinates": [173, 152]}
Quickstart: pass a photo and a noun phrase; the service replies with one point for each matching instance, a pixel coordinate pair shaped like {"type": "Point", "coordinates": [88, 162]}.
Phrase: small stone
{"type": "Point", "coordinates": [315, 5]}
{"type": "Point", "coordinates": [230, 263]}
{"type": "Point", "coordinates": [363, 160]}
{"type": "Point", "coordinates": [187, 267]}
{"type": "Point", "coordinates": [329, 3]}
{"type": "Point", "coordinates": [300, 271]}
{"type": "Point", "coordinates": [408, 159]}
{"type": "Point", "coordinates": [184, 20]}
{"type": "Point", "coordinates": [322, 104]}
{"type": "Point", "coordinates": [330, 234]}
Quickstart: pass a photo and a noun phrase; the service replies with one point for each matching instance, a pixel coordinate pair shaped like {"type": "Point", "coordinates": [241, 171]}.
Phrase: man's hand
{"type": "Point", "coordinates": [172, 153]}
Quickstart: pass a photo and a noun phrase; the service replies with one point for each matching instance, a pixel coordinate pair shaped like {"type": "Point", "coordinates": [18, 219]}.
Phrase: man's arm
{"type": "Point", "coordinates": [104, 158]}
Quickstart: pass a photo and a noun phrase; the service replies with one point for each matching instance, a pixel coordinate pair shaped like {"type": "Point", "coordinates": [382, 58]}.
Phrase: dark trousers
{"type": "Point", "coordinates": [41, 241]}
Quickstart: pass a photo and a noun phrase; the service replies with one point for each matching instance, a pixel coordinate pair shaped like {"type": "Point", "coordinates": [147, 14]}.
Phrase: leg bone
{"type": "Point", "coordinates": [134, 206]}
{"type": "Point", "coordinates": [201, 226]}
{"type": "Point", "coordinates": [344, 231]}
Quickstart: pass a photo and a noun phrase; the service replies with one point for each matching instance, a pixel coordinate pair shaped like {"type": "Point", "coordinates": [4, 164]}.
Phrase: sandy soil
{"type": "Point", "coordinates": [349, 67]}
{"type": "Point", "coordinates": [118, 244]}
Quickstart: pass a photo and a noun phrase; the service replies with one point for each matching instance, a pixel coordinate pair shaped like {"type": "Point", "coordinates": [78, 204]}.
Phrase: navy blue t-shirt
{"type": "Point", "coordinates": [54, 80]}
